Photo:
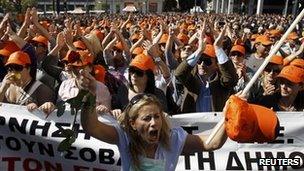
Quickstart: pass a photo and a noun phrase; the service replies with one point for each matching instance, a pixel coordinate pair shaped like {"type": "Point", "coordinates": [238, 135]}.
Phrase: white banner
{"type": "Point", "coordinates": [29, 142]}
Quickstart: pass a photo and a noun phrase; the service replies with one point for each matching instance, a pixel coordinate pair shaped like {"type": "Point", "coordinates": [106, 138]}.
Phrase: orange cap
{"type": "Point", "coordinates": [292, 73]}
{"type": "Point", "coordinates": [275, 33]}
{"type": "Point", "coordinates": [143, 62]}
{"type": "Point", "coordinates": [80, 45]}
{"type": "Point", "coordinates": [99, 34]}
{"type": "Point", "coordinates": [277, 59]}
{"type": "Point", "coordinates": [250, 123]}
{"type": "Point", "coordinates": [263, 39]}
{"type": "Point", "coordinates": [292, 36]}
{"type": "Point", "coordinates": [85, 58]}
{"type": "Point", "coordinates": [19, 58]}
{"type": "Point", "coordinates": [209, 50]}
{"type": "Point", "coordinates": [183, 38]}
{"type": "Point", "coordinates": [137, 51]}
{"type": "Point", "coordinates": [298, 63]}
{"type": "Point", "coordinates": [41, 39]}
{"type": "Point", "coordinates": [163, 38]}
{"type": "Point", "coordinates": [100, 73]}
{"type": "Point", "coordinates": [9, 48]}
{"type": "Point", "coordinates": [238, 48]}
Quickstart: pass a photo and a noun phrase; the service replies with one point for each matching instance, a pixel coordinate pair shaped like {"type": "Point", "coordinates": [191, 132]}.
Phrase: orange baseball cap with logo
{"type": "Point", "coordinates": [292, 73]}
{"type": "Point", "coordinates": [9, 48]}
{"type": "Point", "coordinates": [19, 58]}
{"type": "Point", "coordinates": [41, 39]}
{"type": "Point", "coordinates": [263, 39]}
{"type": "Point", "coordinates": [248, 123]}
{"type": "Point", "coordinates": [143, 62]}
{"type": "Point", "coordinates": [238, 48]}
{"type": "Point", "coordinates": [100, 73]}
{"type": "Point", "coordinates": [209, 51]}
{"type": "Point", "coordinates": [277, 59]}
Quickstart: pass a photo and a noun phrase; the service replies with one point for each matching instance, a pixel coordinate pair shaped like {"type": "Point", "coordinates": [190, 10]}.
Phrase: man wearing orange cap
{"type": "Point", "coordinates": [290, 96]}
{"type": "Point", "coordinates": [262, 46]}
{"type": "Point", "coordinates": [18, 87]}
{"type": "Point", "coordinates": [208, 88]}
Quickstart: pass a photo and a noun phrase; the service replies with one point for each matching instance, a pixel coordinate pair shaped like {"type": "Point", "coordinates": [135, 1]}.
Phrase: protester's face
{"type": "Point", "coordinates": [207, 66]}
{"type": "Point", "coordinates": [271, 72]}
{"type": "Point", "coordinates": [186, 51]}
{"type": "Point", "coordinates": [263, 49]}
{"type": "Point", "coordinates": [289, 88]}
{"type": "Point", "coordinates": [237, 57]}
{"type": "Point", "coordinates": [148, 124]}
{"type": "Point", "coordinates": [40, 49]}
{"type": "Point", "coordinates": [138, 77]}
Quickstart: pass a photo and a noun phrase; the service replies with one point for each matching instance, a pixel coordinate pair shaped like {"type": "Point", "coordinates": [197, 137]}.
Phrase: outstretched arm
{"type": "Point", "coordinates": [197, 142]}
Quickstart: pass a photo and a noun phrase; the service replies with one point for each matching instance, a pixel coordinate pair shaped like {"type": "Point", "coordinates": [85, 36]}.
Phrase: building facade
{"type": "Point", "coordinates": [111, 6]}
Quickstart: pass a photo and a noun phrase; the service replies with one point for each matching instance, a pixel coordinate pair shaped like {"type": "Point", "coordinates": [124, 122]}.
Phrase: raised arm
{"type": "Point", "coordinates": [89, 120]}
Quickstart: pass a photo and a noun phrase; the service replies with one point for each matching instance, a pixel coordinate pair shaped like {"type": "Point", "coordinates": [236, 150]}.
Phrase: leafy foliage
{"type": "Point", "coordinates": [75, 105]}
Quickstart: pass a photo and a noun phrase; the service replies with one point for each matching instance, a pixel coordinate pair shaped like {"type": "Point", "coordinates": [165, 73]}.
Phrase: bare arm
{"type": "Point", "coordinates": [25, 25]}
{"type": "Point", "coordinates": [197, 142]}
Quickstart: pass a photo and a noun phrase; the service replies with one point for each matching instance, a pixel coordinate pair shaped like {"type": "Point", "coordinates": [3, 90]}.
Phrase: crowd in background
{"type": "Point", "coordinates": [190, 62]}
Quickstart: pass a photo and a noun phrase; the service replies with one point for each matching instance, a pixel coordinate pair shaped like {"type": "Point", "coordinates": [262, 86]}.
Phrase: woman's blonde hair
{"type": "Point", "coordinates": [136, 145]}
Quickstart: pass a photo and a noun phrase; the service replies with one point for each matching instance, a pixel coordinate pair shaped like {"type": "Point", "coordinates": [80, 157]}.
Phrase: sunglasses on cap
{"type": "Point", "coordinates": [136, 71]}
{"type": "Point", "coordinates": [14, 67]}
{"type": "Point", "coordinates": [272, 69]}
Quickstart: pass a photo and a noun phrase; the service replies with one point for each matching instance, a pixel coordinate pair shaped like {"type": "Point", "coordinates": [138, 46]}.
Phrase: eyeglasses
{"type": "Point", "coordinates": [14, 67]}
{"type": "Point", "coordinates": [272, 69]}
{"type": "Point", "coordinates": [136, 71]}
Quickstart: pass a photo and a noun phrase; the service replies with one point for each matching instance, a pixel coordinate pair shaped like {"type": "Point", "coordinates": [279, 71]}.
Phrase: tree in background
{"type": "Point", "coordinates": [170, 5]}
{"type": "Point", "coordinates": [18, 6]}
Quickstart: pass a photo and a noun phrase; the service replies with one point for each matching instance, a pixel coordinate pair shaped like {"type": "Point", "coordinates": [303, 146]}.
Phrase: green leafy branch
{"type": "Point", "coordinates": [70, 134]}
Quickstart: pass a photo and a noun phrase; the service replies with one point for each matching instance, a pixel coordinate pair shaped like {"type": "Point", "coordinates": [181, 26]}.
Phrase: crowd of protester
{"type": "Point", "coordinates": [191, 63]}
